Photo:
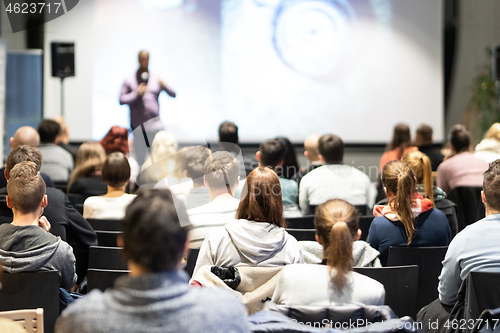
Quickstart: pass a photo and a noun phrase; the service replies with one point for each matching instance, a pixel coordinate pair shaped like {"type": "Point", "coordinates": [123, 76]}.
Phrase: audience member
{"type": "Point", "coordinates": [63, 138]}
{"type": "Point", "coordinates": [489, 148]}
{"type": "Point", "coordinates": [290, 166]}
{"type": "Point", "coordinates": [334, 282]}
{"type": "Point", "coordinates": [476, 248]}
{"type": "Point", "coordinates": [195, 169]}
{"type": "Point", "coordinates": [86, 179]}
{"type": "Point", "coordinates": [334, 180]}
{"type": "Point", "coordinates": [26, 244]}
{"type": "Point", "coordinates": [155, 296]}
{"type": "Point", "coordinates": [57, 162]}
{"type": "Point", "coordinates": [423, 140]}
{"type": "Point", "coordinates": [112, 205]}
{"type": "Point", "coordinates": [311, 152]}
{"type": "Point", "coordinates": [66, 222]}
{"type": "Point", "coordinates": [176, 180]}
{"type": "Point", "coordinates": [25, 135]}
{"type": "Point", "coordinates": [161, 161]}
{"type": "Point", "coordinates": [462, 168]}
{"type": "Point", "coordinates": [408, 218]}
{"type": "Point", "coordinates": [221, 179]}
{"type": "Point", "coordinates": [400, 144]}
{"type": "Point", "coordinates": [258, 236]}
{"type": "Point", "coordinates": [229, 141]}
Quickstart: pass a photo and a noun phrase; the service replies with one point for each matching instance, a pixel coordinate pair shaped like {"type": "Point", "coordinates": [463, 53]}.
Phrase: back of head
{"type": "Point", "coordinates": [89, 159]}
{"type": "Point", "coordinates": [459, 138]}
{"type": "Point", "coordinates": [195, 163]}
{"type": "Point", "coordinates": [116, 140]}
{"type": "Point", "coordinates": [116, 170]}
{"type": "Point", "coordinates": [228, 132]}
{"type": "Point", "coordinates": [421, 166]}
{"type": "Point", "coordinates": [23, 154]}
{"type": "Point", "coordinates": [336, 222]}
{"type": "Point", "coordinates": [152, 234]}
{"type": "Point", "coordinates": [261, 198]}
{"type": "Point", "coordinates": [491, 186]}
{"type": "Point", "coordinates": [493, 132]}
{"type": "Point", "coordinates": [26, 187]}
{"type": "Point", "coordinates": [48, 130]}
{"type": "Point", "coordinates": [311, 146]}
{"type": "Point", "coordinates": [398, 178]}
{"type": "Point", "coordinates": [25, 135]}
{"type": "Point", "coordinates": [221, 170]}
{"type": "Point", "coordinates": [290, 165]}
{"type": "Point", "coordinates": [164, 146]}
{"type": "Point", "coordinates": [401, 137]}
{"type": "Point", "coordinates": [424, 135]}
{"type": "Point", "coordinates": [331, 148]}
{"type": "Point", "coordinates": [272, 152]}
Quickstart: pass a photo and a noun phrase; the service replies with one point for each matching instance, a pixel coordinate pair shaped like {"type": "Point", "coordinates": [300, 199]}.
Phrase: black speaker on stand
{"type": "Point", "coordinates": [63, 64]}
{"type": "Point", "coordinates": [496, 68]}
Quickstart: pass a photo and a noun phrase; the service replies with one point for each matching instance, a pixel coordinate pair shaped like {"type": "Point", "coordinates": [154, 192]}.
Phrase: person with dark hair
{"type": "Point", "coordinates": [333, 282]}
{"type": "Point", "coordinates": [399, 145]}
{"type": "Point", "coordinates": [462, 168]}
{"type": "Point", "coordinates": [333, 180]}
{"type": "Point", "coordinates": [57, 162]}
{"type": "Point", "coordinates": [229, 141]}
{"type": "Point", "coordinates": [221, 179]}
{"type": "Point", "coordinates": [195, 169]}
{"type": "Point", "coordinates": [475, 248]}
{"type": "Point", "coordinates": [423, 140]}
{"type": "Point", "coordinates": [258, 236]}
{"type": "Point", "coordinates": [66, 222]}
{"type": "Point", "coordinates": [290, 166]}
{"type": "Point", "coordinates": [25, 243]}
{"type": "Point", "coordinates": [112, 205]}
{"type": "Point", "coordinates": [86, 179]}
{"type": "Point", "coordinates": [408, 218]}
{"type": "Point", "coordinates": [155, 295]}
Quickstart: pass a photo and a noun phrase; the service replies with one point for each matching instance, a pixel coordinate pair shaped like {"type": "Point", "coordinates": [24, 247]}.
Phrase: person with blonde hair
{"type": "Point", "coordinates": [408, 218]}
{"type": "Point", "coordinates": [86, 179]}
{"type": "Point", "coordinates": [489, 148]}
{"type": "Point", "coordinates": [333, 282]}
{"type": "Point", "coordinates": [161, 160]}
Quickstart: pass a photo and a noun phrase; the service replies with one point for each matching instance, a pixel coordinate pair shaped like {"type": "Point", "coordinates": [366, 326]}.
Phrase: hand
{"type": "Point", "coordinates": [44, 223]}
{"type": "Point", "coordinates": [141, 89]}
{"type": "Point", "coordinates": [163, 86]}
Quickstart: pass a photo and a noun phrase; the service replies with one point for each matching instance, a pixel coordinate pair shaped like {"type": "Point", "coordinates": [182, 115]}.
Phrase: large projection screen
{"type": "Point", "coordinates": [275, 67]}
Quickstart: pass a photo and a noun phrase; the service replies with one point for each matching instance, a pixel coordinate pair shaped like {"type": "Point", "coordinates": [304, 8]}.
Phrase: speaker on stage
{"type": "Point", "coordinates": [63, 59]}
{"type": "Point", "coordinates": [496, 62]}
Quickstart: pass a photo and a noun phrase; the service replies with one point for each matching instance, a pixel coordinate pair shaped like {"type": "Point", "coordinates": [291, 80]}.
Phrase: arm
{"type": "Point", "coordinates": [449, 280]}
{"type": "Point", "coordinates": [66, 266]}
{"type": "Point", "coordinates": [303, 201]}
{"type": "Point", "coordinates": [205, 256]}
{"type": "Point", "coordinates": [167, 89]}
{"type": "Point", "coordinates": [127, 94]}
{"type": "Point", "coordinates": [372, 238]}
{"type": "Point", "coordinates": [280, 287]}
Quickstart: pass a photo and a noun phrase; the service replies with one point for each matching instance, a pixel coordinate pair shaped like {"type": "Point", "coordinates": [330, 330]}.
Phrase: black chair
{"type": "Point", "coordinates": [102, 279]}
{"type": "Point", "coordinates": [482, 293]}
{"type": "Point", "coordinates": [31, 290]}
{"type": "Point", "coordinates": [303, 234]}
{"type": "Point", "coordinates": [364, 224]}
{"type": "Point", "coordinates": [363, 209]}
{"type": "Point", "coordinates": [488, 322]}
{"type": "Point", "coordinates": [304, 222]}
{"type": "Point", "coordinates": [401, 286]}
{"type": "Point", "coordinates": [469, 204]}
{"type": "Point", "coordinates": [428, 260]}
{"type": "Point", "coordinates": [76, 199]}
{"type": "Point", "coordinates": [191, 261]}
{"type": "Point", "coordinates": [105, 224]}
{"type": "Point", "coordinates": [79, 208]}
{"type": "Point", "coordinates": [101, 257]}
{"type": "Point", "coordinates": [107, 238]}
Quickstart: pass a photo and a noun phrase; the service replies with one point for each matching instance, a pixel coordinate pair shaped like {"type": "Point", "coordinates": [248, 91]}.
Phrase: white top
{"type": "Point", "coordinates": [312, 285]}
{"type": "Point", "coordinates": [107, 208]}
{"type": "Point", "coordinates": [204, 219]}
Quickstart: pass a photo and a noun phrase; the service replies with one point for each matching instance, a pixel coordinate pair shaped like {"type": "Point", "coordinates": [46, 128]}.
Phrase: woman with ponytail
{"type": "Point", "coordinates": [408, 219]}
{"type": "Point", "coordinates": [333, 282]}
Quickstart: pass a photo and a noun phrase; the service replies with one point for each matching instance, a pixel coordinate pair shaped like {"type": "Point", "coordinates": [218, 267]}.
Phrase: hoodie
{"type": "Point", "coordinates": [249, 243]}
{"type": "Point", "coordinates": [363, 254]}
{"type": "Point", "coordinates": [30, 248]}
{"type": "Point", "coordinates": [488, 150]}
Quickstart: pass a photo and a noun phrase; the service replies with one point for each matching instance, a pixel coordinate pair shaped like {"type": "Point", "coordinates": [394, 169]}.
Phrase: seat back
{"type": "Point", "coordinates": [76, 199]}
{"type": "Point", "coordinates": [191, 261]}
{"type": "Point", "coordinates": [303, 234]}
{"type": "Point", "coordinates": [103, 279]}
{"type": "Point", "coordinates": [31, 320]}
{"type": "Point", "coordinates": [482, 293]}
{"type": "Point", "coordinates": [102, 257]}
{"type": "Point", "coordinates": [429, 261]}
{"type": "Point", "coordinates": [304, 222]}
{"type": "Point", "coordinates": [107, 238]}
{"type": "Point", "coordinates": [105, 224]}
{"type": "Point", "coordinates": [32, 290]}
{"type": "Point", "coordinates": [401, 286]}
{"type": "Point", "coordinates": [469, 204]}
{"type": "Point", "coordinates": [364, 224]}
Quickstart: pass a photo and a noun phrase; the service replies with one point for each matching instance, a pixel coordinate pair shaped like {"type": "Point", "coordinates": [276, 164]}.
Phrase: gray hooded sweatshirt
{"type": "Point", "coordinates": [243, 242]}
{"type": "Point", "coordinates": [30, 248]}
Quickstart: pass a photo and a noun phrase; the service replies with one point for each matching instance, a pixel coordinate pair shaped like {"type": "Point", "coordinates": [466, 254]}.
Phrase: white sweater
{"type": "Point", "coordinates": [107, 208]}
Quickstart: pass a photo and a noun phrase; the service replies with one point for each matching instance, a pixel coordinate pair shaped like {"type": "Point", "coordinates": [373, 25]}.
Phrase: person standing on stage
{"type": "Point", "coordinates": [141, 91]}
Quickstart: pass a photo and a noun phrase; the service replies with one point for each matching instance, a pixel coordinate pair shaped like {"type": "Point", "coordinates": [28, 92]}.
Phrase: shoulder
{"type": "Point", "coordinates": [82, 314]}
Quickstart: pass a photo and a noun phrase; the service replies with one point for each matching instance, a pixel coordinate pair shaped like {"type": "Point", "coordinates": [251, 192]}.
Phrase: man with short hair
{"type": "Point", "coordinates": [195, 169]}
{"type": "Point", "coordinates": [155, 295]}
{"type": "Point", "coordinates": [57, 162]}
{"type": "Point", "coordinates": [311, 152]}
{"type": "Point", "coordinates": [221, 179]}
{"type": "Point", "coordinates": [423, 140]}
{"type": "Point", "coordinates": [333, 180]}
{"type": "Point", "coordinates": [63, 138]}
{"type": "Point", "coordinates": [26, 244]}
{"type": "Point", "coordinates": [463, 168]}
{"type": "Point", "coordinates": [229, 141]}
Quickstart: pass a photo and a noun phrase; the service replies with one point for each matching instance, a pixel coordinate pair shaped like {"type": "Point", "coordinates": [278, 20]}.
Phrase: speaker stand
{"type": "Point", "coordinates": [62, 96]}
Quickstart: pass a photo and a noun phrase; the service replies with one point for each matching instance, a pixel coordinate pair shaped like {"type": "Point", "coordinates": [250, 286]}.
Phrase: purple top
{"type": "Point", "coordinates": [145, 108]}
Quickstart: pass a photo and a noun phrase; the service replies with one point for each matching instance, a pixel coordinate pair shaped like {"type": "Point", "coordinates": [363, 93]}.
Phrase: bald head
{"type": "Point", "coordinates": [143, 61]}
{"type": "Point", "coordinates": [311, 147]}
{"type": "Point", "coordinates": [25, 135]}
{"type": "Point", "coordinates": [63, 133]}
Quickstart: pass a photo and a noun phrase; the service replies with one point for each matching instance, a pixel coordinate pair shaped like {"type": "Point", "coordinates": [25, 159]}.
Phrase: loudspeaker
{"type": "Point", "coordinates": [63, 59]}
{"type": "Point", "coordinates": [496, 62]}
